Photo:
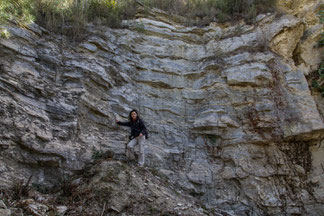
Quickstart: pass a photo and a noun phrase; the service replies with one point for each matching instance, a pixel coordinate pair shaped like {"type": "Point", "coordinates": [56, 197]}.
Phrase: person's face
{"type": "Point", "coordinates": [133, 115]}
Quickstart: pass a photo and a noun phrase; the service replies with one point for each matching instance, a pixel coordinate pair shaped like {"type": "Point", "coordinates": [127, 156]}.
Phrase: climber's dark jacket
{"type": "Point", "coordinates": [137, 127]}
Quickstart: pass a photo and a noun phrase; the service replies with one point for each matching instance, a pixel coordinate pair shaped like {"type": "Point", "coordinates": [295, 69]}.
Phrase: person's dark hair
{"type": "Point", "coordinates": [130, 115]}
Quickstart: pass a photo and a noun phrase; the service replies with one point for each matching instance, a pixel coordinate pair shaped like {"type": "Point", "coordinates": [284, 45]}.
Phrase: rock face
{"type": "Point", "coordinates": [229, 111]}
{"type": "Point", "coordinates": [144, 193]}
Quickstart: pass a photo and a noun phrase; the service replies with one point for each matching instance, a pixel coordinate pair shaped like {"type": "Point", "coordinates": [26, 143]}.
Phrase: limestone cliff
{"type": "Point", "coordinates": [231, 117]}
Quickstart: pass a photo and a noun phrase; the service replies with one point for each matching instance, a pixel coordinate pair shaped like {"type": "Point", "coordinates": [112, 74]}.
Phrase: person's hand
{"type": "Point", "coordinates": [140, 134]}
{"type": "Point", "coordinates": [117, 121]}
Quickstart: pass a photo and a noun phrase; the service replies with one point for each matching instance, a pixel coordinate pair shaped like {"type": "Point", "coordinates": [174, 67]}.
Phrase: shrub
{"type": "Point", "coordinates": [97, 154]}
{"type": "Point", "coordinates": [51, 14]}
{"type": "Point", "coordinates": [20, 189]}
{"type": "Point", "coordinates": [166, 5]}
{"type": "Point", "coordinates": [321, 14]}
{"type": "Point", "coordinates": [41, 188]}
{"type": "Point", "coordinates": [70, 17]}
{"type": "Point", "coordinates": [18, 11]}
{"type": "Point", "coordinates": [321, 41]}
{"type": "Point", "coordinates": [318, 81]}
{"type": "Point", "coordinates": [104, 11]}
{"type": "Point", "coordinates": [321, 17]}
{"type": "Point", "coordinates": [202, 12]}
{"type": "Point", "coordinates": [318, 77]}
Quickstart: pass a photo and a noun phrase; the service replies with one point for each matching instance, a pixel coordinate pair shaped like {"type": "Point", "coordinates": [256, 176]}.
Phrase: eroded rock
{"type": "Point", "coordinates": [228, 109]}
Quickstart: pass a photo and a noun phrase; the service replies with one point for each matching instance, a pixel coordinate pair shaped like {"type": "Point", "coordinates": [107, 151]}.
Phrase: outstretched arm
{"type": "Point", "coordinates": [123, 123]}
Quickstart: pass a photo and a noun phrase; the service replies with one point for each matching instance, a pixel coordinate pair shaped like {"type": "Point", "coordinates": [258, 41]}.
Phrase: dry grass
{"type": "Point", "coordinates": [70, 17]}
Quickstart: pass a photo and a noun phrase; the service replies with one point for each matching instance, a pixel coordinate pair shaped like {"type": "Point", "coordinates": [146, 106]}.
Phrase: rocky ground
{"type": "Point", "coordinates": [105, 187]}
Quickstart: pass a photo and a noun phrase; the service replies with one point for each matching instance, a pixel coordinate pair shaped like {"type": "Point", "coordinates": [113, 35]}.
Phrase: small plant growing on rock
{"type": "Point", "coordinates": [212, 138]}
{"type": "Point", "coordinates": [16, 11]}
{"type": "Point", "coordinates": [318, 82]}
{"type": "Point", "coordinates": [20, 189]}
{"type": "Point", "coordinates": [4, 33]}
{"type": "Point", "coordinates": [97, 154]}
{"type": "Point", "coordinates": [321, 14]}
{"type": "Point", "coordinates": [41, 188]}
{"type": "Point", "coordinates": [140, 28]}
{"type": "Point", "coordinates": [321, 41]}
{"type": "Point", "coordinates": [318, 79]}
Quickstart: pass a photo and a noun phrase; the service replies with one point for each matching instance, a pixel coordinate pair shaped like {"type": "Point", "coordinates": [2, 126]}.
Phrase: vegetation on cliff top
{"type": "Point", "coordinates": [70, 17]}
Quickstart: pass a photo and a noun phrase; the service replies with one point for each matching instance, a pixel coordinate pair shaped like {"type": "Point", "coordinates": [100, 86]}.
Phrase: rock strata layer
{"type": "Point", "coordinates": [229, 111]}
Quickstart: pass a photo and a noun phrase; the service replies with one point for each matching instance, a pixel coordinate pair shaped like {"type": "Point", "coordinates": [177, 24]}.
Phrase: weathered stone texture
{"type": "Point", "coordinates": [227, 108]}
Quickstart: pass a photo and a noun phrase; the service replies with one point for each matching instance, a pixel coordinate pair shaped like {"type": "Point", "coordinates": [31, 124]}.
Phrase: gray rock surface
{"type": "Point", "coordinates": [5, 212]}
{"type": "Point", "coordinates": [230, 116]}
{"type": "Point", "coordinates": [2, 205]}
{"type": "Point", "coordinates": [61, 210]}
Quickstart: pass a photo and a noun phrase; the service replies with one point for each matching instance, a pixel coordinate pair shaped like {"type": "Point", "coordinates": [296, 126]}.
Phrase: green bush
{"type": "Point", "coordinates": [321, 17]}
{"type": "Point", "coordinates": [321, 14]}
{"type": "Point", "coordinates": [97, 154]}
{"type": "Point", "coordinates": [18, 11]}
{"type": "Point", "coordinates": [318, 77]}
{"type": "Point", "coordinates": [318, 81]}
{"type": "Point", "coordinates": [50, 14]}
{"type": "Point", "coordinates": [231, 10]}
{"type": "Point", "coordinates": [104, 11]}
{"type": "Point", "coordinates": [70, 17]}
{"type": "Point", "coordinates": [202, 12]}
{"type": "Point", "coordinates": [321, 41]}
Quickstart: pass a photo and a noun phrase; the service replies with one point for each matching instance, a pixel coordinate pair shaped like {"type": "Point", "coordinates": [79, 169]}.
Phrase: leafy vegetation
{"type": "Point", "coordinates": [321, 17]}
{"type": "Point", "coordinates": [318, 79]}
{"type": "Point", "coordinates": [140, 28]}
{"type": "Point", "coordinates": [202, 12]}
{"type": "Point", "coordinates": [97, 154]}
{"type": "Point", "coordinates": [16, 11]}
{"type": "Point", "coordinates": [212, 138]}
{"type": "Point", "coordinates": [69, 17]}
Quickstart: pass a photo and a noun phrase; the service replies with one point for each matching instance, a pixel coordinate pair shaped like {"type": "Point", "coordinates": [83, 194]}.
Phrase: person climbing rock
{"type": "Point", "coordinates": [138, 136]}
